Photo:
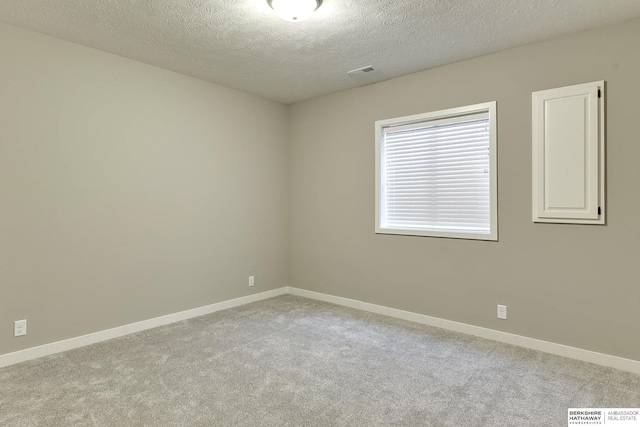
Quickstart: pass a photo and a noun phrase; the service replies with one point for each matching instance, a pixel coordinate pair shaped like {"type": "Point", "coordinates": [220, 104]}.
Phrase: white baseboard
{"type": "Point", "coordinates": [83, 340]}
{"type": "Point", "coordinates": [505, 337]}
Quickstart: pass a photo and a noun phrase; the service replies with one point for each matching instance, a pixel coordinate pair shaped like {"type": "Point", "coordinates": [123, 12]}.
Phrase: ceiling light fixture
{"type": "Point", "coordinates": [294, 10]}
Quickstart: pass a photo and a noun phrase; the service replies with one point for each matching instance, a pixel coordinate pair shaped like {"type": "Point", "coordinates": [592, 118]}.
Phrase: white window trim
{"type": "Point", "coordinates": [490, 108]}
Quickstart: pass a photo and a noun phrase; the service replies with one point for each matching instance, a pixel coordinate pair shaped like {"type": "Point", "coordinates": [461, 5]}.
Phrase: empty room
{"type": "Point", "coordinates": [319, 213]}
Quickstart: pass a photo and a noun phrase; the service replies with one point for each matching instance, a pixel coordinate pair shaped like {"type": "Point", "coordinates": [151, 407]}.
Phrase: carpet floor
{"type": "Point", "coordinates": [291, 361]}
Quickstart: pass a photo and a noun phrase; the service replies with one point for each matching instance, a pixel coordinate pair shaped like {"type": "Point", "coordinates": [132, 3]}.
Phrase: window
{"type": "Point", "coordinates": [436, 174]}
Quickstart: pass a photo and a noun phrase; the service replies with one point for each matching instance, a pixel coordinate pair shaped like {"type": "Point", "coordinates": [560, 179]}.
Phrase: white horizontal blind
{"type": "Point", "coordinates": [435, 175]}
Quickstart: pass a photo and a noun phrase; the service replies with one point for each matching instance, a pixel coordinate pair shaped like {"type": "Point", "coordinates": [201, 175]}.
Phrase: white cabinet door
{"type": "Point", "coordinates": [568, 154]}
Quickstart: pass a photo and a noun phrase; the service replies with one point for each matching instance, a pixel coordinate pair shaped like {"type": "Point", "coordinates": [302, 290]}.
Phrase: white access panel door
{"type": "Point", "coordinates": [568, 154]}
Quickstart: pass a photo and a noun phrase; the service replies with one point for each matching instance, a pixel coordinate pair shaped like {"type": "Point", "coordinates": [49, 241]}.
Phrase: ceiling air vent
{"type": "Point", "coordinates": [359, 71]}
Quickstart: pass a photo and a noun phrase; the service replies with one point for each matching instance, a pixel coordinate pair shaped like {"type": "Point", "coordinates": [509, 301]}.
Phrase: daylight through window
{"type": "Point", "coordinates": [436, 174]}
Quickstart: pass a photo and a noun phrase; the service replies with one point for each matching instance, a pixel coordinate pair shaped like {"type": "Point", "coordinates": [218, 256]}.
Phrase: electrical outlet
{"type": "Point", "coordinates": [20, 328]}
{"type": "Point", "coordinates": [251, 281]}
{"type": "Point", "coordinates": [502, 312]}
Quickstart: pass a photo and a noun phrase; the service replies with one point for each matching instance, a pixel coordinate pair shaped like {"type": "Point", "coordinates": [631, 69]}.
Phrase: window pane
{"type": "Point", "coordinates": [435, 174]}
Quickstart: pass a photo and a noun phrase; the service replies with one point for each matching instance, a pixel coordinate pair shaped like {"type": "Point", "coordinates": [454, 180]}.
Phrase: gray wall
{"type": "Point", "coordinates": [571, 284]}
{"type": "Point", "coordinates": [129, 192]}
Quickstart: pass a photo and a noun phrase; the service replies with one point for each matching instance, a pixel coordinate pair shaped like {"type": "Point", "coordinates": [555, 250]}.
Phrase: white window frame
{"type": "Point", "coordinates": [380, 126]}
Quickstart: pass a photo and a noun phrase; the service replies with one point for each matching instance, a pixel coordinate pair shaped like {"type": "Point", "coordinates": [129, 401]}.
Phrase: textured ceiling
{"type": "Point", "coordinates": [242, 44]}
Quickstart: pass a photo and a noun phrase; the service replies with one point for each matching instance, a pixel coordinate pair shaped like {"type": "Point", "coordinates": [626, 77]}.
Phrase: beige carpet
{"type": "Point", "coordinates": [291, 361]}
